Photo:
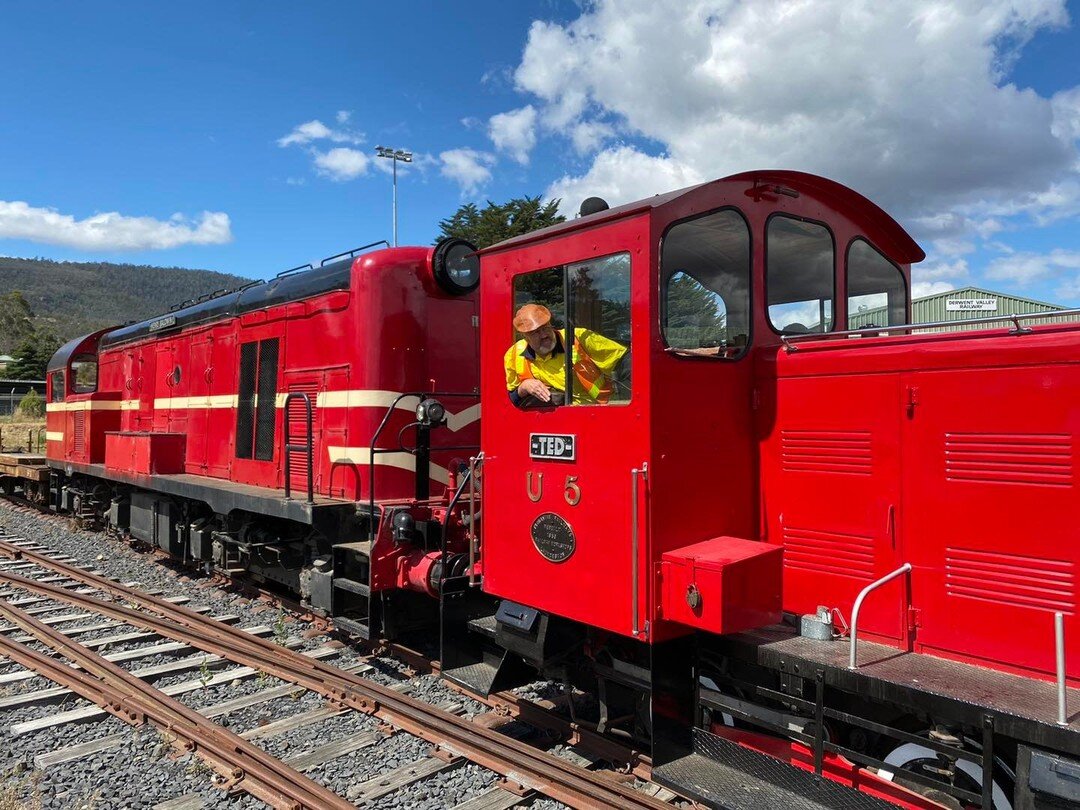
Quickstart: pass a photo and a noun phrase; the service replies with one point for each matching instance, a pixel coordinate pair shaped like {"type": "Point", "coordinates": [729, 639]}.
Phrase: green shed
{"type": "Point", "coordinates": [961, 305]}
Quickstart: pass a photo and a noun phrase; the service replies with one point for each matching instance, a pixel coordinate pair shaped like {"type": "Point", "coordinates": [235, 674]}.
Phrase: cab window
{"type": "Point", "coordinates": [877, 293]}
{"type": "Point", "coordinates": [799, 277]}
{"type": "Point", "coordinates": [56, 379]}
{"type": "Point", "coordinates": [84, 369]}
{"type": "Point", "coordinates": [583, 308]}
{"type": "Point", "coordinates": [705, 286]}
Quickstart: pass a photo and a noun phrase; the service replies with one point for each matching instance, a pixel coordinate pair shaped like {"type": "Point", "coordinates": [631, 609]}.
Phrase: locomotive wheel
{"type": "Point", "coordinates": [923, 760]}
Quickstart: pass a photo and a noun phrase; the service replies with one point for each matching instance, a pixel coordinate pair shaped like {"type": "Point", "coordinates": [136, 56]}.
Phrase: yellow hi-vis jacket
{"type": "Point", "coordinates": [594, 358]}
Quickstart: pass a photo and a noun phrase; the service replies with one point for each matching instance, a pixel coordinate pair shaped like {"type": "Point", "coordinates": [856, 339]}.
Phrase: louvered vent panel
{"type": "Point", "coordinates": [1011, 579]}
{"type": "Point", "coordinates": [79, 431]}
{"type": "Point", "coordinates": [848, 555]}
{"type": "Point", "coordinates": [847, 452]}
{"type": "Point", "coordinates": [1010, 458]}
{"type": "Point", "coordinates": [298, 463]}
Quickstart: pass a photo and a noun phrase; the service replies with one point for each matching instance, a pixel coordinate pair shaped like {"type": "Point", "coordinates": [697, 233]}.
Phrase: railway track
{"type": "Point", "coordinates": [527, 769]}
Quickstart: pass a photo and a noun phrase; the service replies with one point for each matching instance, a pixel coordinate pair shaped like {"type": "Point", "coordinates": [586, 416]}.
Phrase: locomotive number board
{"type": "Point", "coordinates": [553, 445]}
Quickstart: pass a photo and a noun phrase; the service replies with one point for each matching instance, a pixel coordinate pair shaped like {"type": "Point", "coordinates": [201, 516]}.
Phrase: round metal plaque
{"type": "Point", "coordinates": [553, 537]}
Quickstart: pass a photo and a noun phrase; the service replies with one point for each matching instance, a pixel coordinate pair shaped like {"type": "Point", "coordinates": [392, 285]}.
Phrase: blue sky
{"type": "Point", "coordinates": [239, 136]}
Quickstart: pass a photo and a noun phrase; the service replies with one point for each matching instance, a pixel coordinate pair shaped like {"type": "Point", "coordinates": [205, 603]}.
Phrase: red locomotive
{"type": "Point", "coordinates": [814, 566]}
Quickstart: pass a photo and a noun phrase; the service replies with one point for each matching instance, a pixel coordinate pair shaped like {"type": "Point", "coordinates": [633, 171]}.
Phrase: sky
{"type": "Point", "coordinates": [241, 136]}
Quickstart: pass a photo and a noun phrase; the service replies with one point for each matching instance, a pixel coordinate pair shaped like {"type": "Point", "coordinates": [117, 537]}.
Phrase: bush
{"type": "Point", "coordinates": [32, 406]}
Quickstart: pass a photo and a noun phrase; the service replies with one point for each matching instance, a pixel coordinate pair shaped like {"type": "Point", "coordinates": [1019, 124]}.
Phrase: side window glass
{"type": "Point", "coordinates": [84, 370]}
{"type": "Point", "coordinates": [799, 278]}
{"type": "Point", "coordinates": [705, 286]}
{"type": "Point", "coordinates": [877, 293]}
{"type": "Point", "coordinates": [594, 328]}
{"type": "Point", "coordinates": [57, 379]}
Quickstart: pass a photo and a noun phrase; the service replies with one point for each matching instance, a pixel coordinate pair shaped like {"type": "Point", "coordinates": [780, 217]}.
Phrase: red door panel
{"type": "Point", "coordinates": [831, 490]}
{"type": "Point", "coordinates": [990, 471]}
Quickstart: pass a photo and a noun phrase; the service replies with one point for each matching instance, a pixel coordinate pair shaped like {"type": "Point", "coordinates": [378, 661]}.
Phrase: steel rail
{"type": "Point", "coordinates": [515, 760]}
{"type": "Point", "coordinates": [241, 764]}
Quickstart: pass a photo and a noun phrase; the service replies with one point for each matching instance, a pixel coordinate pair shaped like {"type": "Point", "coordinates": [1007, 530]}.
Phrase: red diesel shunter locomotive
{"type": "Point", "coordinates": [813, 566]}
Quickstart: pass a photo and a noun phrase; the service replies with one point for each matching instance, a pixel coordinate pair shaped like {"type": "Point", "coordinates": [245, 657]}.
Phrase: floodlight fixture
{"type": "Point", "coordinates": [394, 155]}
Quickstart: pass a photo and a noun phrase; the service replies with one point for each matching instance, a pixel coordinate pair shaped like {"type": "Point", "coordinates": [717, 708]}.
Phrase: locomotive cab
{"type": "Point", "coordinates": [627, 504]}
{"type": "Point", "coordinates": [77, 413]}
{"type": "Point", "coordinates": [656, 316]}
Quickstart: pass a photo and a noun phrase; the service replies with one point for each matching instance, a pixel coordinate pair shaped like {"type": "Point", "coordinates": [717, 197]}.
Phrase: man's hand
{"type": "Point", "coordinates": [534, 388]}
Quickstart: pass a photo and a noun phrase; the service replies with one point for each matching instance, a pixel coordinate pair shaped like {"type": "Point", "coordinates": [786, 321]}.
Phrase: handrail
{"type": "Point", "coordinates": [353, 252]}
{"type": "Point", "coordinates": [787, 340]}
{"type": "Point", "coordinates": [635, 474]}
{"type": "Point", "coordinates": [290, 448]}
{"type": "Point", "coordinates": [374, 449]}
{"type": "Point", "coordinates": [903, 569]}
{"type": "Point", "coordinates": [475, 463]}
{"type": "Point", "coordinates": [297, 269]}
{"type": "Point", "coordinates": [1059, 655]}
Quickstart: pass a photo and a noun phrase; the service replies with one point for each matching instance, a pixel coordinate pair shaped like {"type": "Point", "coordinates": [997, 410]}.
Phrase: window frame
{"type": "Point", "coordinates": [662, 299]}
{"type": "Point", "coordinates": [905, 281]}
{"type": "Point", "coordinates": [63, 385]}
{"type": "Point", "coordinates": [568, 377]}
{"type": "Point", "coordinates": [765, 268]}
{"type": "Point", "coordinates": [83, 358]}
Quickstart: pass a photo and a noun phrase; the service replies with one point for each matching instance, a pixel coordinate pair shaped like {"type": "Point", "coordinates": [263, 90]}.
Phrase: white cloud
{"type": "Point", "coordinates": [588, 135]}
{"type": "Point", "coordinates": [468, 168]}
{"type": "Point", "coordinates": [940, 271]}
{"type": "Point", "coordinates": [1066, 108]}
{"type": "Point", "coordinates": [514, 132]}
{"type": "Point", "coordinates": [316, 130]}
{"type": "Point", "coordinates": [906, 101]}
{"type": "Point", "coordinates": [342, 163]}
{"type": "Point", "coordinates": [622, 174]}
{"type": "Point", "coordinates": [343, 116]}
{"type": "Point", "coordinates": [1025, 268]}
{"type": "Point", "coordinates": [921, 289]}
{"type": "Point", "coordinates": [111, 230]}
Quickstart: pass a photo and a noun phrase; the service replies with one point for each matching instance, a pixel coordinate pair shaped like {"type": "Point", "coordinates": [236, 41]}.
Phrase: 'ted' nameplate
{"type": "Point", "coordinates": [560, 446]}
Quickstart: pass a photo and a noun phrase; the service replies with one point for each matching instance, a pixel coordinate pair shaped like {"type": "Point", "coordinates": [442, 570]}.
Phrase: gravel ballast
{"type": "Point", "coordinates": [139, 769]}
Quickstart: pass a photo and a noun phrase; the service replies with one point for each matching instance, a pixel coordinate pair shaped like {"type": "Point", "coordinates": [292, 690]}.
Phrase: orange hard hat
{"type": "Point", "coordinates": [532, 316]}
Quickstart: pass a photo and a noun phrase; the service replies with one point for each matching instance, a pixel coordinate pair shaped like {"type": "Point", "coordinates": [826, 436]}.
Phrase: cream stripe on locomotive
{"type": "Point", "coordinates": [84, 405]}
{"type": "Point", "coordinates": [188, 403]}
{"type": "Point", "coordinates": [54, 436]}
{"type": "Point", "coordinates": [361, 456]}
{"type": "Point", "coordinates": [325, 399]}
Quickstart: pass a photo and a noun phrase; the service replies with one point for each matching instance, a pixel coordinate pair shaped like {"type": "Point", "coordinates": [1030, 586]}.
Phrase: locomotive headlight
{"type": "Point", "coordinates": [456, 266]}
{"type": "Point", "coordinates": [430, 412]}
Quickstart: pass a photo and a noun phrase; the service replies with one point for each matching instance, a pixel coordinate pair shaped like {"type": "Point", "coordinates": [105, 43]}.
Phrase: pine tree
{"type": "Point", "coordinates": [32, 356]}
{"type": "Point", "coordinates": [495, 223]}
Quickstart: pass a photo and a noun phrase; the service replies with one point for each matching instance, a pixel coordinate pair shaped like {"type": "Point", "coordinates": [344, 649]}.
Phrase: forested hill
{"type": "Point", "coordinates": [73, 298]}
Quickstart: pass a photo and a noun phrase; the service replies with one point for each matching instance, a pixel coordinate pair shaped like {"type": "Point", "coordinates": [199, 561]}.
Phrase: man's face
{"type": "Point", "coordinates": [542, 340]}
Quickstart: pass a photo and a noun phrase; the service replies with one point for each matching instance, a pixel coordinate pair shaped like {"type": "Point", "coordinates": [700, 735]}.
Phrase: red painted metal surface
{"type": "Point", "coordinates": [145, 453]}
{"type": "Point", "coordinates": [351, 350]}
{"type": "Point", "coordinates": [722, 585]}
{"type": "Point", "coordinates": [954, 452]}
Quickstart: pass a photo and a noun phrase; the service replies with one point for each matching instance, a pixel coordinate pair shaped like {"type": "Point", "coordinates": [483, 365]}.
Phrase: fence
{"type": "Point", "coordinates": [12, 392]}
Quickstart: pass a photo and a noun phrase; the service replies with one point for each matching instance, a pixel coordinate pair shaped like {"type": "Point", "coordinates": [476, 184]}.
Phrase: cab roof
{"type": "Point", "coordinates": [882, 229]}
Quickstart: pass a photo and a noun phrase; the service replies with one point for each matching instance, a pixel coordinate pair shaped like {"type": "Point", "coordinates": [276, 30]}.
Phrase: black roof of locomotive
{"type": "Point", "coordinates": [259, 295]}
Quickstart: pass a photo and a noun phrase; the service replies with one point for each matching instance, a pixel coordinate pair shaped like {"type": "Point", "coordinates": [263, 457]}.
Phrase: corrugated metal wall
{"type": "Point", "coordinates": [934, 309]}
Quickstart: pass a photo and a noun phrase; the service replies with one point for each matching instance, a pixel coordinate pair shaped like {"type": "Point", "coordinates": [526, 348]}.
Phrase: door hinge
{"type": "Point", "coordinates": [913, 399]}
{"type": "Point", "coordinates": [913, 619]}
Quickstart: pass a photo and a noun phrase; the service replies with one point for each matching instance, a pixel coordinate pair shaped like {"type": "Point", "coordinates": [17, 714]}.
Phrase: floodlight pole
{"type": "Point", "coordinates": [394, 155]}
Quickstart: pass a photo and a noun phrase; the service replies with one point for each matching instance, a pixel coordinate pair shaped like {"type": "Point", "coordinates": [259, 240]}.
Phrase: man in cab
{"type": "Point", "coordinates": [536, 364]}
